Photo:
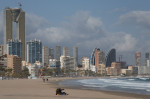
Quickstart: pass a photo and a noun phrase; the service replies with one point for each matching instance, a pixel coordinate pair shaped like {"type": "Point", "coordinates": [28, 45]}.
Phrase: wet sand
{"type": "Point", "coordinates": [37, 89]}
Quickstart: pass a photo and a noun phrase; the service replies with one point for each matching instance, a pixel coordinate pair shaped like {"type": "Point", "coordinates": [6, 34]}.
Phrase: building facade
{"type": "Point", "coordinates": [65, 51]}
{"type": "Point", "coordinates": [117, 66]}
{"type": "Point", "coordinates": [111, 57]}
{"type": "Point", "coordinates": [45, 55]}
{"type": "Point", "coordinates": [1, 50]}
{"type": "Point", "coordinates": [53, 63]}
{"type": "Point", "coordinates": [15, 63]}
{"type": "Point", "coordinates": [3, 61]}
{"type": "Point", "coordinates": [75, 55]}
{"type": "Point", "coordinates": [51, 53]}
{"type": "Point", "coordinates": [34, 51]}
{"type": "Point", "coordinates": [14, 47]}
{"type": "Point", "coordinates": [16, 15]}
{"type": "Point", "coordinates": [67, 63]}
{"type": "Point", "coordinates": [85, 61]}
{"type": "Point", "coordinates": [100, 61]}
{"type": "Point", "coordinates": [138, 58]}
{"type": "Point", "coordinates": [147, 62]}
{"type": "Point", "coordinates": [58, 52]}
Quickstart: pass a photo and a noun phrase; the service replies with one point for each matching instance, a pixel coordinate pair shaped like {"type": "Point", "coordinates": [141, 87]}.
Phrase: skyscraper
{"type": "Point", "coordinates": [75, 54]}
{"type": "Point", "coordinates": [138, 58]}
{"type": "Point", "coordinates": [147, 59]}
{"type": "Point", "coordinates": [51, 53]}
{"type": "Point", "coordinates": [34, 51]}
{"type": "Point", "coordinates": [58, 52]}
{"type": "Point", "coordinates": [1, 50]}
{"type": "Point", "coordinates": [45, 55]}
{"type": "Point", "coordinates": [93, 57]}
{"type": "Point", "coordinates": [111, 57]}
{"type": "Point", "coordinates": [16, 15]}
{"type": "Point", "coordinates": [65, 51]}
{"type": "Point", "coordinates": [100, 61]}
{"type": "Point", "coordinates": [14, 47]}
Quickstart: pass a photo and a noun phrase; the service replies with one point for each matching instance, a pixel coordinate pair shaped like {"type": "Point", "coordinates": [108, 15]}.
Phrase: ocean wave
{"type": "Point", "coordinates": [130, 84]}
{"type": "Point", "coordinates": [131, 79]}
{"type": "Point", "coordinates": [144, 78]}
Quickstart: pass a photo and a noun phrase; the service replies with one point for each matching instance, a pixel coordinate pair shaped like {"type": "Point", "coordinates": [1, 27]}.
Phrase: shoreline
{"type": "Point", "coordinates": [37, 89]}
{"type": "Point", "coordinates": [118, 93]}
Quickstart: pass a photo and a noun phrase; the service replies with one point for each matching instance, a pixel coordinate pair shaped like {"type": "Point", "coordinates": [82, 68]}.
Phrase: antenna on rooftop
{"type": "Point", "coordinates": [20, 5]}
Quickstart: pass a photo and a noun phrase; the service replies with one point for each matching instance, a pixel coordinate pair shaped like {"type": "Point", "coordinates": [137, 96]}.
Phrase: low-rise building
{"type": "Point", "coordinates": [143, 70]}
{"type": "Point", "coordinates": [126, 72]}
{"type": "Point", "coordinates": [67, 63]}
{"type": "Point", "coordinates": [101, 69]}
{"type": "Point", "coordinates": [3, 61]}
{"type": "Point", "coordinates": [116, 65]}
{"type": "Point", "coordinates": [15, 63]}
{"type": "Point", "coordinates": [111, 71]}
{"type": "Point", "coordinates": [53, 63]}
{"type": "Point", "coordinates": [33, 70]}
{"type": "Point", "coordinates": [85, 61]}
{"type": "Point", "coordinates": [134, 69]}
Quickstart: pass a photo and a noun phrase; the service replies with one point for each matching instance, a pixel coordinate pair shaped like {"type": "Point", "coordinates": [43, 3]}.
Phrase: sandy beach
{"type": "Point", "coordinates": [36, 89]}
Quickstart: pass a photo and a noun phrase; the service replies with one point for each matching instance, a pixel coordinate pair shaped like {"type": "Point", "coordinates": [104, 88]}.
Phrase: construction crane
{"type": "Point", "coordinates": [20, 5]}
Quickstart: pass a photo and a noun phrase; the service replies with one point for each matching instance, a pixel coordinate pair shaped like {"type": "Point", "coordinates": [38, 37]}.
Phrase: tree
{"type": "Point", "coordinates": [2, 71]}
{"type": "Point", "coordinates": [9, 72]}
{"type": "Point", "coordinates": [25, 73]}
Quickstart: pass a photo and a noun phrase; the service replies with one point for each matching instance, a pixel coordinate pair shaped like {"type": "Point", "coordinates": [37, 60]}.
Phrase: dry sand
{"type": "Point", "coordinates": [36, 89]}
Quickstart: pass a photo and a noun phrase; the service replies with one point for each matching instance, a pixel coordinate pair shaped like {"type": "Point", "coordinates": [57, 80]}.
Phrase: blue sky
{"type": "Point", "coordinates": [120, 24]}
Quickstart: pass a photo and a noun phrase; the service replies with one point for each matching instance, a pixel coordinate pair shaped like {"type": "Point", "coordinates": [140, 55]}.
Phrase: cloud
{"type": "Point", "coordinates": [125, 42]}
{"type": "Point", "coordinates": [34, 22]}
{"type": "Point", "coordinates": [80, 27]}
{"type": "Point", "coordinates": [122, 9]}
{"type": "Point", "coordinates": [140, 18]}
{"type": "Point", "coordinates": [81, 30]}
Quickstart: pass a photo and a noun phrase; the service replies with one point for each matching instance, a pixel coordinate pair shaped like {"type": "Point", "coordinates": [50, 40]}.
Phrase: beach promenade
{"type": "Point", "coordinates": [36, 89]}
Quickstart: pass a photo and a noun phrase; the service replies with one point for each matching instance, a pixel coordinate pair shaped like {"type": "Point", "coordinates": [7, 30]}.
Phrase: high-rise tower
{"type": "Point", "coordinates": [138, 58]}
{"type": "Point", "coordinates": [51, 53]}
{"type": "Point", "coordinates": [34, 51]}
{"type": "Point", "coordinates": [45, 55]}
{"type": "Point", "coordinates": [75, 56]}
{"type": "Point", "coordinates": [147, 59]}
{"type": "Point", "coordinates": [111, 57]}
{"type": "Point", "coordinates": [65, 51]}
{"type": "Point", "coordinates": [58, 52]}
{"type": "Point", "coordinates": [16, 15]}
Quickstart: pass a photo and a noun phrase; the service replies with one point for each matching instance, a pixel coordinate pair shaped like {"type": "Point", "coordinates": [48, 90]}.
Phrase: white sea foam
{"type": "Point", "coordinates": [120, 84]}
{"type": "Point", "coordinates": [144, 78]}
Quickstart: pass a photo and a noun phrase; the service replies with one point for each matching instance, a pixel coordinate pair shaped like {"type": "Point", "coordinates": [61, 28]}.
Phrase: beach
{"type": "Point", "coordinates": [37, 89]}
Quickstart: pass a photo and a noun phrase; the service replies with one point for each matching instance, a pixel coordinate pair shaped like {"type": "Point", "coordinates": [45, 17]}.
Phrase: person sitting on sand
{"type": "Point", "coordinates": [59, 92]}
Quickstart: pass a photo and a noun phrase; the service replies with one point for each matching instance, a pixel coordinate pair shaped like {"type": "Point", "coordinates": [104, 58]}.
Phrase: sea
{"type": "Point", "coordinates": [138, 85]}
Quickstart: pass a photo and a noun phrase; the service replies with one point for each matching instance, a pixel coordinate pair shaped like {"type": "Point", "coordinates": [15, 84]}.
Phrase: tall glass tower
{"type": "Point", "coordinates": [34, 51]}
{"type": "Point", "coordinates": [14, 47]}
{"type": "Point", "coordinates": [111, 57]}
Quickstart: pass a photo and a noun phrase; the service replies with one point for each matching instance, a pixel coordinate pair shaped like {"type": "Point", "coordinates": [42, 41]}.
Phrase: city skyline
{"type": "Point", "coordinates": [88, 25]}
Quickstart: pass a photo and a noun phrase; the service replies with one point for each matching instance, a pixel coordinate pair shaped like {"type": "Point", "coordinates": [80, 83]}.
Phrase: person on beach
{"type": "Point", "coordinates": [59, 92]}
{"type": "Point", "coordinates": [47, 79]}
{"type": "Point", "coordinates": [43, 80]}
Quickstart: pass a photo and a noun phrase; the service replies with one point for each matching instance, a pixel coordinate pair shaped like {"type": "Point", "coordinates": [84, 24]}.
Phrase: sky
{"type": "Point", "coordinates": [88, 24]}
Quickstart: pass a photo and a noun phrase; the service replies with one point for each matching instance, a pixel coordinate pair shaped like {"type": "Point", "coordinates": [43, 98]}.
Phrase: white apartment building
{"type": "Point", "coordinates": [67, 62]}
{"type": "Point", "coordinates": [85, 61]}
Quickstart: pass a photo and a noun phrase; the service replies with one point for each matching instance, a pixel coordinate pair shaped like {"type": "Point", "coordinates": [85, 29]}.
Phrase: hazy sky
{"type": "Point", "coordinates": [106, 24]}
